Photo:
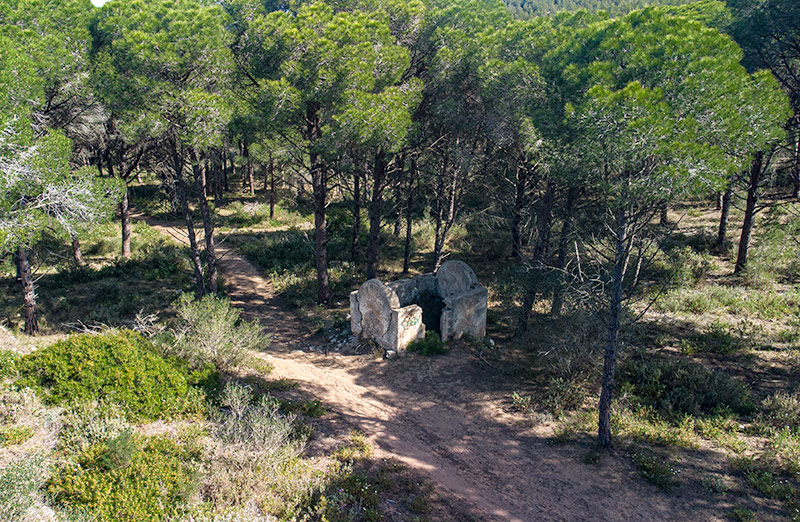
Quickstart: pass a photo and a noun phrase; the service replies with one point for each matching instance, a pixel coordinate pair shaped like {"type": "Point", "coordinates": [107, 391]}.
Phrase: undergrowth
{"type": "Point", "coordinates": [121, 367]}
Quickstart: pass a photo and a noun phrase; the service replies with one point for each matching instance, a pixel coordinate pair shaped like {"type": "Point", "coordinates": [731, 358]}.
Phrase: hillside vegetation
{"type": "Point", "coordinates": [190, 191]}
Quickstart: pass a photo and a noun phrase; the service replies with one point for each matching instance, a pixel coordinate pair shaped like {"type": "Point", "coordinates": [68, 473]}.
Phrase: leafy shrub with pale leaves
{"type": "Point", "coordinates": [20, 482]}
{"type": "Point", "coordinates": [780, 411]}
{"type": "Point", "coordinates": [253, 454]}
{"type": "Point", "coordinates": [212, 331]}
{"type": "Point", "coordinates": [86, 424]}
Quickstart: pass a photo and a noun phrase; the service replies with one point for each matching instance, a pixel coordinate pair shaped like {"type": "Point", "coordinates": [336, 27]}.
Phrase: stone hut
{"type": "Point", "coordinates": [451, 302]}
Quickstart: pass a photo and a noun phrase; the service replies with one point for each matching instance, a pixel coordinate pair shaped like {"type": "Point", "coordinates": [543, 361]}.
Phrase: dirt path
{"type": "Point", "coordinates": [442, 416]}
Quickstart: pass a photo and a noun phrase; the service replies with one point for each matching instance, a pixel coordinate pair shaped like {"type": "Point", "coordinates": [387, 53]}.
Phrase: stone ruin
{"type": "Point", "coordinates": [451, 302]}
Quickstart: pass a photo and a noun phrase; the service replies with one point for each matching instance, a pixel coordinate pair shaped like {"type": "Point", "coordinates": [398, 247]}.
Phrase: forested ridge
{"type": "Point", "coordinates": [532, 8]}
{"type": "Point", "coordinates": [190, 190]}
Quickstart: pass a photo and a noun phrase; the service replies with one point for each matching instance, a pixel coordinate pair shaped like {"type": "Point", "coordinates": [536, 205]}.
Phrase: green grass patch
{"type": "Point", "coordinates": [120, 367]}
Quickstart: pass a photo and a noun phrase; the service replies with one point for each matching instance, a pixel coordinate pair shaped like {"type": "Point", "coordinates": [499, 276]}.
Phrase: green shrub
{"type": "Point", "coordinates": [119, 367]}
{"type": "Point", "coordinates": [8, 364]}
{"type": "Point", "coordinates": [655, 470]}
{"type": "Point", "coordinates": [687, 267]}
{"type": "Point", "coordinates": [254, 455]}
{"type": "Point", "coordinates": [521, 403]}
{"type": "Point", "coordinates": [212, 332]}
{"type": "Point", "coordinates": [563, 394]}
{"type": "Point", "coordinates": [431, 345]}
{"type": "Point", "coordinates": [10, 435]}
{"type": "Point", "coordinates": [779, 411]}
{"type": "Point", "coordinates": [677, 387]}
{"type": "Point", "coordinates": [127, 478]}
{"type": "Point", "coordinates": [717, 340]}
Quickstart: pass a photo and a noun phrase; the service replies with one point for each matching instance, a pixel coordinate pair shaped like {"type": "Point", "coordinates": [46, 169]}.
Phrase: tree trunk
{"type": "Point", "coordinates": [399, 201]}
{"type": "Point", "coordinates": [100, 163]}
{"type": "Point", "coordinates": [446, 195]}
{"type": "Point", "coordinates": [520, 201]}
{"type": "Point", "coordinates": [398, 219]}
{"type": "Point", "coordinates": [409, 211]}
{"type": "Point", "coordinates": [76, 250]}
{"type": "Point", "coordinates": [232, 160]}
{"type": "Point", "coordinates": [663, 219]}
{"type": "Point", "coordinates": [725, 208]}
{"type": "Point", "coordinates": [796, 161]}
{"type": "Point", "coordinates": [208, 228]}
{"type": "Point", "coordinates": [124, 212]}
{"type": "Point", "coordinates": [250, 177]}
{"type": "Point", "coordinates": [180, 185]}
{"type": "Point", "coordinates": [272, 197]}
{"type": "Point", "coordinates": [25, 279]}
{"type": "Point", "coordinates": [563, 247]}
{"type": "Point", "coordinates": [218, 164]}
{"type": "Point", "coordinates": [319, 184]}
{"type": "Point", "coordinates": [750, 212]}
{"type": "Point", "coordinates": [375, 214]}
{"type": "Point", "coordinates": [354, 245]}
{"type": "Point", "coordinates": [540, 254]}
{"type": "Point", "coordinates": [615, 313]}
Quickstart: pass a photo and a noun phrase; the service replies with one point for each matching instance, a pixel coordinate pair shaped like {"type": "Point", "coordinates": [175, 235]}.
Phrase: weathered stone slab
{"type": "Point", "coordinates": [375, 304]}
{"type": "Point", "coordinates": [455, 278]}
{"type": "Point", "coordinates": [355, 313]}
{"type": "Point", "coordinates": [465, 314]}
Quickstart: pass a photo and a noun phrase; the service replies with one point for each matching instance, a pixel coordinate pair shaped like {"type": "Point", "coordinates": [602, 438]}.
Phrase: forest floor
{"type": "Point", "coordinates": [448, 418]}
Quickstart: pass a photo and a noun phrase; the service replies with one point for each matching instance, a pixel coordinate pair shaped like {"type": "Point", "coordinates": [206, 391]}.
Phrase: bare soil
{"type": "Point", "coordinates": [447, 418]}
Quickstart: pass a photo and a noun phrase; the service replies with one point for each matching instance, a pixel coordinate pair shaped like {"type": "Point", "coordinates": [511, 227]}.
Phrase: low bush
{"type": "Point", "coordinates": [779, 411]}
{"type": "Point", "coordinates": [120, 367]}
{"type": "Point", "coordinates": [643, 423]}
{"type": "Point", "coordinates": [718, 339]}
{"type": "Point", "coordinates": [783, 450]}
{"type": "Point", "coordinates": [20, 482]}
{"type": "Point", "coordinates": [431, 345]}
{"type": "Point", "coordinates": [563, 394]}
{"type": "Point", "coordinates": [687, 267]}
{"type": "Point", "coordinates": [655, 470]}
{"type": "Point", "coordinates": [8, 364]}
{"type": "Point", "coordinates": [253, 455]}
{"type": "Point", "coordinates": [675, 388]}
{"type": "Point", "coordinates": [521, 403]}
{"type": "Point", "coordinates": [89, 423]}
{"type": "Point", "coordinates": [212, 331]}
{"type": "Point", "coordinates": [128, 477]}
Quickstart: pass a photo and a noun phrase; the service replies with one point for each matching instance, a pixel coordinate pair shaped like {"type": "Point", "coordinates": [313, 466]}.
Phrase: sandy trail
{"type": "Point", "coordinates": [442, 416]}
